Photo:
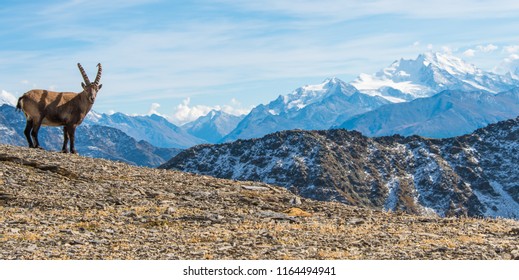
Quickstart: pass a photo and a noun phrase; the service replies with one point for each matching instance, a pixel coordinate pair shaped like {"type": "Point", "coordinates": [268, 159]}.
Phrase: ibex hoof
{"type": "Point", "coordinates": [65, 151]}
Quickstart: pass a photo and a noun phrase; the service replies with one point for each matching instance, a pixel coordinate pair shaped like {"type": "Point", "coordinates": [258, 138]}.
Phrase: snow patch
{"type": "Point", "coordinates": [502, 206]}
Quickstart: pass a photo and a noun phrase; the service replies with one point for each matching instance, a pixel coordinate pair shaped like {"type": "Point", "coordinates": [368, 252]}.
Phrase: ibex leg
{"type": "Point", "coordinates": [34, 133]}
{"type": "Point", "coordinates": [65, 140]}
{"type": "Point", "coordinates": [71, 134]}
{"type": "Point", "coordinates": [27, 132]}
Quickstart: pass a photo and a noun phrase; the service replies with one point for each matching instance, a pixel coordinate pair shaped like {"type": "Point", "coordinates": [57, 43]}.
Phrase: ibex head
{"type": "Point", "coordinates": [91, 88]}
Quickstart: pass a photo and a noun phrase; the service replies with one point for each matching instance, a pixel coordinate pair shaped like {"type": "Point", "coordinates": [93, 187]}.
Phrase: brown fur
{"type": "Point", "coordinates": [50, 108]}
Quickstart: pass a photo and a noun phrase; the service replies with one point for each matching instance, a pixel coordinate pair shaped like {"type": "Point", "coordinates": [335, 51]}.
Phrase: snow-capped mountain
{"type": "Point", "coordinates": [91, 140]}
{"type": "Point", "coordinates": [7, 98]}
{"type": "Point", "coordinates": [428, 74]}
{"type": "Point", "coordinates": [446, 114]}
{"type": "Point", "coordinates": [309, 107]}
{"type": "Point", "coordinates": [334, 102]}
{"type": "Point", "coordinates": [474, 174]}
{"type": "Point", "coordinates": [213, 126]}
{"type": "Point", "coordinates": [154, 129]}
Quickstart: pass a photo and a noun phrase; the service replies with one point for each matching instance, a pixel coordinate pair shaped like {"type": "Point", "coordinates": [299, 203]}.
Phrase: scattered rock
{"type": "Point", "coordinates": [297, 212]}
{"type": "Point", "coordinates": [295, 201]}
{"type": "Point", "coordinates": [115, 211]}
{"type": "Point", "coordinates": [170, 210]}
{"type": "Point", "coordinates": [31, 248]}
{"type": "Point", "coordinates": [255, 188]}
{"type": "Point", "coordinates": [356, 221]}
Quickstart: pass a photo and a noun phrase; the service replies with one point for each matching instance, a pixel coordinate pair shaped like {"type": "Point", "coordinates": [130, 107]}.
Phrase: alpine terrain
{"type": "Point", "coordinates": [153, 128]}
{"type": "Point", "coordinates": [447, 114]}
{"type": "Point", "coordinates": [474, 174]}
{"type": "Point", "coordinates": [428, 74]}
{"type": "Point", "coordinates": [213, 126]}
{"type": "Point", "coordinates": [65, 206]}
{"type": "Point", "coordinates": [310, 107]}
{"type": "Point", "coordinates": [400, 98]}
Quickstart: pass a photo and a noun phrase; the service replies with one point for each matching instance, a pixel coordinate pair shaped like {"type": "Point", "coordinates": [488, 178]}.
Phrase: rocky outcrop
{"type": "Point", "coordinates": [63, 206]}
{"type": "Point", "coordinates": [474, 175]}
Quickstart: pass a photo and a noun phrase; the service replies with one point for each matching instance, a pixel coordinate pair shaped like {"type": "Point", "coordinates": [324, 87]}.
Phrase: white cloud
{"type": "Point", "coordinates": [469, 53]}
{"type": "Point", "coordinates": [509, 64]}
{"type": "Point", "coordinates": [447, 49]}
{"type": "Point", "coordinates": [511, 49]}
{"type": "Point", "coordinates": [7, 98]}
{"type": "Point", "coordinates": [185, 113]}
{"type": "Point", "coordinates": [488, 48]}
{"type": "Point", "coordinates": [480, 49]}
{"type": "Point", "coordinates": [235, 108]}
{"type": "Point", "coordinates": [153, 109]}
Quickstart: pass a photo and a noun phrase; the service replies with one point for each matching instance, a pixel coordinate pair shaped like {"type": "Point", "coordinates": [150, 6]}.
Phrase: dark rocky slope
{"type": "Point", "coordinates": [475, 174]}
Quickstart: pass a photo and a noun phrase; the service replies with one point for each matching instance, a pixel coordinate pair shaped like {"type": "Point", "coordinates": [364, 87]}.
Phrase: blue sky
{"type": "Point", "coordinates": [182, 58]}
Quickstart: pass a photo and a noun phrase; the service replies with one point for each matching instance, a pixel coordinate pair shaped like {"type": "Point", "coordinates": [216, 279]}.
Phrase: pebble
{"type": "Point", "coordinates": [295, 201]}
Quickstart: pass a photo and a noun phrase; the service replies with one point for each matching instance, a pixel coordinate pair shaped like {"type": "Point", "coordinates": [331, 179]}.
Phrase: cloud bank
{"type": "Point", "coordinates": [185, 112]}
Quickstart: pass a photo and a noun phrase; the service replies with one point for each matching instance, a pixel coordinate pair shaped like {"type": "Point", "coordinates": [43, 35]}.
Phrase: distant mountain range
{"type": "Point", "coordinates": [435, 95]}
{"type": "Point", "coordinates": [428, 74]}
{"type": "Point", "coordinates": [309, 107]}
{"type": "Point", "coordinates": [91, 140]}
{"type": "Point", "coordinates": [475, 174]}
{"type": "Point", "coordinates": [213, 126]}
{"type": "Point", "coordinates": [447, 114]}
{"type": "Point", "coordinates": [153, 128]}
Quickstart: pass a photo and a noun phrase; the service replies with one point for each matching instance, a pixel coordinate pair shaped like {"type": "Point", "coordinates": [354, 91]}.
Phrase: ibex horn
{"type": "Point", "coordinates": [98, 77]}
{"type": "Point", "coordinates": [85, 77]}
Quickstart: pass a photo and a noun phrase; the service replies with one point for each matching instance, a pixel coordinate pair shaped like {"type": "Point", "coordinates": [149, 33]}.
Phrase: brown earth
{"type": "Point", "coordinates": [62, 206]}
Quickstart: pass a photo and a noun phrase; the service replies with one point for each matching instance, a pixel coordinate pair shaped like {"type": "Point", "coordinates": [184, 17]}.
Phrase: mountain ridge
{"type": "Point", "coordinates": [446, 114]}
{"type": "Point", "coordinates": [152, 128]}
{"type": "Point", "coordinates": [331, 104]}
{"type": "Point", "coordinates": [308, 107]}
{"type": "Point", "coordinates": [213, 126]}
{"type": "Point", "coordinates": [447, 177]}
{"type": "Point", "coordinates": [429, 74]}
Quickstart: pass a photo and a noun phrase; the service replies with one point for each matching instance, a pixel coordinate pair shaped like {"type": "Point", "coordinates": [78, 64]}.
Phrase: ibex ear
{"type": "Point", "coordinates": [100, 86]}
{"type": "Point", "coordinates": [83, 85]}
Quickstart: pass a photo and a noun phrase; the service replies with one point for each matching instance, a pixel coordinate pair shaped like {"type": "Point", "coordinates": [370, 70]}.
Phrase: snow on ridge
{"type": "Point", "coordinates": [472, 83]}
{"type": "Point", "coordinates": [453, 65]}
{"type": "Point", "coordinates": [502, 206]}
{"type": "Point", "coordinates": [7, 98]}
{"type": "Point", "coordinates": [429, 73]}
{"type": "Point", "coordinates": [367, 83]}
{"type": "Point", "coordinates": [309, 94]}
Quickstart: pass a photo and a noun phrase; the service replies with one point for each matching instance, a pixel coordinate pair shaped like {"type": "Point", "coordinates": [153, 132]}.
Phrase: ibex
{"type": "Point", "coordinates": [67, 109]}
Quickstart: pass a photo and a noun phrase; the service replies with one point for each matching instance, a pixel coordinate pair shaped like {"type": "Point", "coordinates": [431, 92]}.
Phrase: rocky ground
{"type": "Point", "coordinates": [58, 206]}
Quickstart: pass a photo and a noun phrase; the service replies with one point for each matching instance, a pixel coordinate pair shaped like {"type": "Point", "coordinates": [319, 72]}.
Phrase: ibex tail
{"type": "Point", "coordinates": [19, 104]}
